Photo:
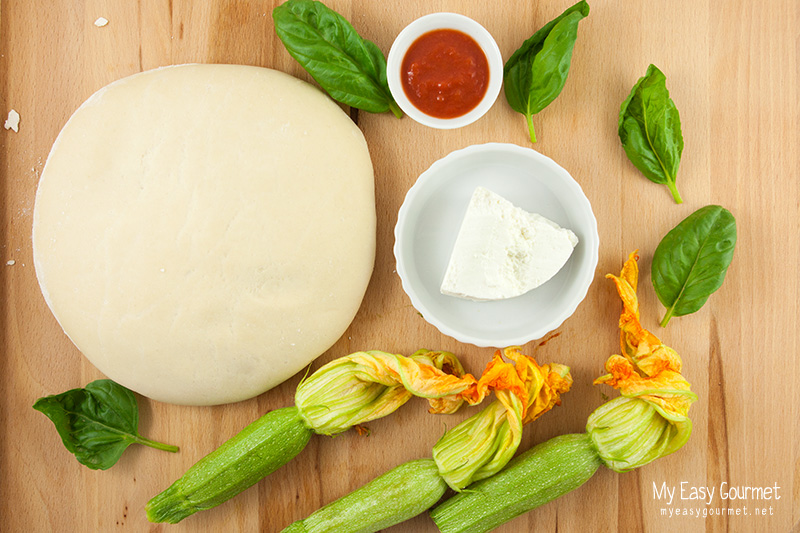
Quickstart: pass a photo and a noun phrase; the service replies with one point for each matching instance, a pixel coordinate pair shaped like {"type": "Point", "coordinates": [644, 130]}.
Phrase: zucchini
{"type": "Point", "coordinates": [396, 496]}
{"type": "Point", "coordinates": [258, 450]}
{"type": "Point", "coordinates": [536, 477]}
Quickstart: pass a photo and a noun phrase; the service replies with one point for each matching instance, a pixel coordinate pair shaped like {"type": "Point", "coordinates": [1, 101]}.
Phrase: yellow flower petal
{"type": "Point", "coordinates": [667, 390]}
{"type": "Point", "coordinates": [630, 271]}
{"type": "Point", "coordinates": [498, 375]}
{"type": "Point", "coordinates": [557, 383]}
{"type": "Point", "coordinates": [543, 385]}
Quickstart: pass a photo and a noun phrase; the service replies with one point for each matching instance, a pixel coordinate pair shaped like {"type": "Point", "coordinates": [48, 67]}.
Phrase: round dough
{"type": "Point", "coordinates": [203, 232]}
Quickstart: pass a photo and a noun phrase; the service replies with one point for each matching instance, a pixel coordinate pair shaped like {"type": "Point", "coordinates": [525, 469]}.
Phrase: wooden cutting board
{"type": "Point", "coordinates": [733, 71]}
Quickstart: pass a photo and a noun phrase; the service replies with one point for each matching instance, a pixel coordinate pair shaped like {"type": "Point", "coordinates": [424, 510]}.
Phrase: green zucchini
{"type": "Point", "coordinates": [536, 477]}
{"type": "Point", "coordinates": [258, 450]}
{"type": "Point", "coordinates": [396, 496]}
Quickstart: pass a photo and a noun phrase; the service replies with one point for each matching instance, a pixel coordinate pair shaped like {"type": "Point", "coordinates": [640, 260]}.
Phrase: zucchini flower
{"type": "Point", "coordinates": [482, 445]}
{"type": "Point", "coordinates": [651, 417]}
{"type": "Point", "coordinates": [364, 386]}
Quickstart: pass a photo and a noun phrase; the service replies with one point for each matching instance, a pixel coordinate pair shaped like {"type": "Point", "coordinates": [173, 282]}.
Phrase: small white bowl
{"type": "Point", "coordinates": [439, 21]}
{"type": "Point", "coordinates": [431, 215]}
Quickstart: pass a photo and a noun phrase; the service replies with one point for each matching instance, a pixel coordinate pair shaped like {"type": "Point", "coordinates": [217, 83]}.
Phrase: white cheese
{"type": "Point", "coordinates": [503, 251]}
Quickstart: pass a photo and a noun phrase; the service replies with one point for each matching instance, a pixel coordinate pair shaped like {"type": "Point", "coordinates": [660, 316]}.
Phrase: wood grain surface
{"type": "Point", "coordinates": [733, 71]}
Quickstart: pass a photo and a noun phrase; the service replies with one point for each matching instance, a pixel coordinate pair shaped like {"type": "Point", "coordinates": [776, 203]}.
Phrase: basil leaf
{"type": "Point", "coordinates": [535, 74]}
{"type": "Point", "coordinates": [351, 69]}
{"type": "Point", "coordinates": [691, 260]}
{"type": "Point", "coordinates": [97, 423]}
{"type": "Point", "coordinates": [650, 130]}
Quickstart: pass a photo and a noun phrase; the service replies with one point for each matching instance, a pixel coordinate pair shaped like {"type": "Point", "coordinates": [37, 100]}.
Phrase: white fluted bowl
{"type": "Point", "coordinates": [431, 215]}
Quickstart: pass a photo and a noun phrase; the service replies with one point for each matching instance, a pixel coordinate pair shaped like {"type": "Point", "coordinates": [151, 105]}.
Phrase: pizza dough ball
{"type": "Point", "coordinates": [203, 232]}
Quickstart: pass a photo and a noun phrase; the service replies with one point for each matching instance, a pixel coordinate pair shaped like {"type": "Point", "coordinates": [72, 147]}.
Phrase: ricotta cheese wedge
{"type": "Point", "coordinates": [503, 251]}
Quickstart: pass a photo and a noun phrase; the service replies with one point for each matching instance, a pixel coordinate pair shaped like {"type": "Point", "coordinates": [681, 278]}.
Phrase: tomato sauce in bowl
{"type": "Point", "coordinates": [444, 70]}
{"type": "Point", "coordinates": [445, 73]}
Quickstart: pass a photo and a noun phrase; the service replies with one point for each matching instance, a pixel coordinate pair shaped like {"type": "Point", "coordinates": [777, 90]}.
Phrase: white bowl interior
{"type": "Point", "coordinates": [431, 216]}
{"type": "Point", "coordinates": [436, 21]}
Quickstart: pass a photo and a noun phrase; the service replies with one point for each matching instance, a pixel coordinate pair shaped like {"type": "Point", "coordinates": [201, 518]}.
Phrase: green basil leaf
{"type": "Point", "coordinates": [351, 69]}
{"type": "Point", "coordinates": [650, 130]}
{"type": "Point", "coordinates": [97, 423]}
{"type": "Point", "coordinates": [691, 260]}
{"type": "Point", "coordinates": [535, 74]}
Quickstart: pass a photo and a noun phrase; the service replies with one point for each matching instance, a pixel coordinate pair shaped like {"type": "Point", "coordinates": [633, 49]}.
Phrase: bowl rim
{"type": "Point", "coordinates": [432, 22]}
{"type": "Point", "coordinates": [583, 280]}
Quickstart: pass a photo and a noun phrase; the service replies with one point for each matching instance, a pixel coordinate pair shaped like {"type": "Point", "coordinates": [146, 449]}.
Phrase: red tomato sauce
{"type": "Point", "coordinates": [445, 73]}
